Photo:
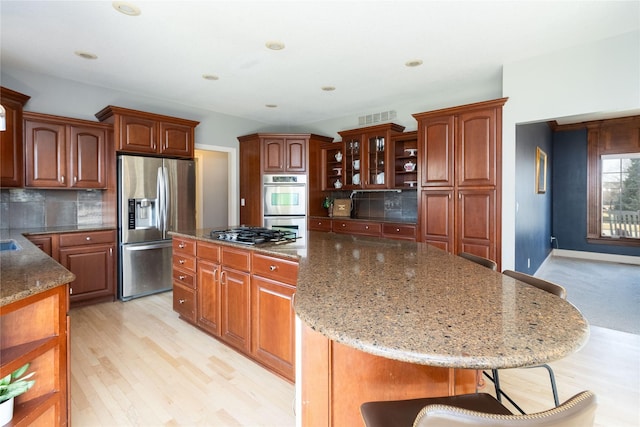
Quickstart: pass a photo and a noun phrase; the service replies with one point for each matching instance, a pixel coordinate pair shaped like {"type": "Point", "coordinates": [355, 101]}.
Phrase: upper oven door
{"type": "Point", "coordinates": [285, 199]}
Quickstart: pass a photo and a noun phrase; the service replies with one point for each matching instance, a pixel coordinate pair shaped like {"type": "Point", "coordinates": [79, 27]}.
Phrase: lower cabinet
{"type": "Point", "coordinates": [401, 231]}
{"type": "Point", "coordinates": [35, 330]}
{"type": "Point", "coordinates": [243, 298]}
{"type": "Point", "coordinates": [91, 257]}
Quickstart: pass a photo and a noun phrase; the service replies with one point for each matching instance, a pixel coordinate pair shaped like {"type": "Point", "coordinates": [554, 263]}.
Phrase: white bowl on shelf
{"type": "Point", "coordinates": [412, 151]}
{"type": "Point", "coordinates": [411, 183]}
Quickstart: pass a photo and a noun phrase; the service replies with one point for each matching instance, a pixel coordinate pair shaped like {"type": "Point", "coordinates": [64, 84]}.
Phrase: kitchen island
{"type": "Point", "coordinates": [387, 319]}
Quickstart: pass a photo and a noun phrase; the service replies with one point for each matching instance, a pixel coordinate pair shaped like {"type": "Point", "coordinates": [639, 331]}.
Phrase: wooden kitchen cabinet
{"type": "Point", "coordinates": [284, 154]}
{"type": "Point", "coordinates": [11, 146]}
{"type": "Point", "coordinates": [273, 285]}
{"type": "Point", "coordinates": [460, 165]}
{"type": "Point", "coordinates": [367, 161]}
{"type": "Point", "coordinates": [47, 243]}
{"type": "Point", "coordinates": [363, 228]}
{"type": "Point", "coordinates": [331, 156]}
{"type": "Point", "coordinates": [399, 231]}
{"type": "Point", "coordinates": [319, 224]}
{"type": "Point", "coordinates": [405, 160]}
{"type": "Point", "coordinates": [184, 278]}
{"type": "Point", "coordinates": [35, 330]}
{"type": "Point", "coordinates": [140, 132]}
{"type": "Point", "coordinates": [91, 257]}
{"type": "Point", "coordinates": [63, 152]}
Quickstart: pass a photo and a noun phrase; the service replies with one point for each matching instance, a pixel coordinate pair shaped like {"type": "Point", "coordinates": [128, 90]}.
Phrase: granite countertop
{"type": "Point", "coordinates": [413, 302]}
{"type": "Point", "coordinates": [30, 271]}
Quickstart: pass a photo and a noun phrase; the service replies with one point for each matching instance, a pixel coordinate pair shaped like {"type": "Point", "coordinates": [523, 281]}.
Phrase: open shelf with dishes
{"type": "Point", "coordinates": [405, 158]}
{"type": "Point", "coordinates": [332, 166]}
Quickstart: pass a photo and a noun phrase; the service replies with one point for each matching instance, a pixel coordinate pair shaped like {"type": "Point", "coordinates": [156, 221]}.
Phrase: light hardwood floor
{"type": "Point", "coordinates": [137, 364]}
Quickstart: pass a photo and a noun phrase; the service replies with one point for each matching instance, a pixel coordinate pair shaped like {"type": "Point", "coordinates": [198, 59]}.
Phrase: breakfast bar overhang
{"type": "Point", "coordinates": [384, 319]}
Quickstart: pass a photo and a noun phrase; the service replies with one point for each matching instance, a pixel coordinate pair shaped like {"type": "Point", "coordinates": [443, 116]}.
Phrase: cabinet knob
{"type": "Point", "coordinates": [181, 261]}
{"type": "Point", "coordinates": [75, 179]}
{"type": "Point", "coordinates": [398, 230]}
{"type": "Point", "coordinates": [273, 267]}
{"type": "Point", "coordinates": [182, 246]}
{"type": "Point", "coordinates": [182, 277]}
{"type": "Point", "coordinates": [366, 227]}
{"type": "Point", "coordinates": [181, 301]}
{"type": "Point", "coordinates": [70, 291]}
{"type": "Point", "coordinates": [62, 179]}
{"type": "Point", "coordinates": [344, 225]}
{"type": "Point", "coordinates": [88, 238]}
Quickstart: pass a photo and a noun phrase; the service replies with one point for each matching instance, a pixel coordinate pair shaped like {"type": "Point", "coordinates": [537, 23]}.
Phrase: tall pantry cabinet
{"type": "Point", "coordinates": [460, 197]}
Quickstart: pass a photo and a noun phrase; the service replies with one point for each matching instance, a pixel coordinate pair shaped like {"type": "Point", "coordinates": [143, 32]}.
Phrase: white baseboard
{"type": "Point", "coordinates": [596, 256]}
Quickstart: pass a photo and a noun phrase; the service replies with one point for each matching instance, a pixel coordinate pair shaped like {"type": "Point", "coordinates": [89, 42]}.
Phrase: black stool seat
{"type": "Point", "coordinates": [402, 413]}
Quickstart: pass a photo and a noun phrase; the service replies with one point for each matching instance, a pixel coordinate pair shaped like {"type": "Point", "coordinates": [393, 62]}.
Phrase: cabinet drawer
{"type": "Point", "coordinates": [238, 259]}
{"type": "Point", "coordinates": [184, 277]}
{"type": "Point", "coordinates": [184, 302]}
{"type": "Point", "coordinates": [87, 238]}
{"type": "Point", "coordinates": [319, 224]}
{"type": "Point", "coordinates": [186, 262]}
{"type": "Point", "coordinates": [275, 268]}
{"type": "Point", "coordinates": [208, 251]}
{"type": "Point", "coordinates": [399, 231]}
{"type": "Point", "coordinates": [184, 246]}
{"type": "Point", "coordinates": [356, 227]}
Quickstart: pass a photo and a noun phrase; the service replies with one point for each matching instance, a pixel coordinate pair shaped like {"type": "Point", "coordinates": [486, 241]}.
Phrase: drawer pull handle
{"type": "Point", "coordinates": [181, 261]}
{"type": "Point", "coordinates": [398, 230]}
{"type": "Point", "coordinates": [181, 301]}
{"type": "Point", "coordinates": [182, 246]}
{"type": "Point", "coordinates": [366, 227]}
{"type": "Point", "coordinates": [88, 238]}
{"type": "Point", "coordinates": [182, 277]}
{"type": "Point", "coordinates": [273, 267]}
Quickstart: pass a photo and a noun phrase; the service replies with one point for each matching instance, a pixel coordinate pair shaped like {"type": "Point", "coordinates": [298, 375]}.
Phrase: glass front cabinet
{"type": "Point", "coordinates": [368, 157]}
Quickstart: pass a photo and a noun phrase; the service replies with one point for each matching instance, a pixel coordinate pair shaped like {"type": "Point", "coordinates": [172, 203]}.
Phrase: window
{"type": "Point", "coordinates": [613, 181]}
{"type": "Point", "coordinates": [620, 201]}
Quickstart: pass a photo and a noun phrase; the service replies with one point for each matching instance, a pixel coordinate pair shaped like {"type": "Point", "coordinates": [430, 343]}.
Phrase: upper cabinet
{"type": "Point", "coordinates": [61, 152]}
{"type": "Point", "coordinates": [367, 160]}
{"type": "Point", "coordinates": [405, 160]}
{"type": "Point", "coordinates": [11, 148]}
{"type": "Point", "coordinates": [284, 154]}
{"type": "Point", "coordinates": [146, 133]}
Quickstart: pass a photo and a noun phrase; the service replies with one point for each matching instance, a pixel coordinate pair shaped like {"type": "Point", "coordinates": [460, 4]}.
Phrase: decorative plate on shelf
{"type": "Point", "coordinates": [411, 183]}
{"type": "Point", "coordinates": [412, 151]}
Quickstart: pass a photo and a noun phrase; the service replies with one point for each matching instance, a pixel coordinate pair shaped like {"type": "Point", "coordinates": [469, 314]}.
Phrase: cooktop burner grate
{"type": "Point", "coordinates": [253, 235]}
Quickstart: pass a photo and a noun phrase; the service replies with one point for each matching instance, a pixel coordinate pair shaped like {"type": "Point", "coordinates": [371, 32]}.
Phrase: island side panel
{"type": "Point", "coordinates": [337, 379]}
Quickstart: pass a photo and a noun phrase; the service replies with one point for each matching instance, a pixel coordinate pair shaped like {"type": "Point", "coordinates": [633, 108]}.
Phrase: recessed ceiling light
{"type": "Point", "coordinates": [85, 55]}
{"type": "Point", "coordinates": [271, 105]}
{"type": "Point", "coordinates": [413, 63]}
{"type": "Point", "coordinates": [210, 77]}
{"type": "Point", "coordinates": [274, 45]}
{"type": "Point", "coordinates": [126, 8]}
{"type": "Point", "coordinates": [328, 88]}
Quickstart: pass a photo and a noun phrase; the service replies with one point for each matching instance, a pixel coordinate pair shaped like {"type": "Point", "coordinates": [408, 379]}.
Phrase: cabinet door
{"type": "Point", "coordinates": [437, 222]}
{"type": "Point", "coordinates": [88, 157]}
{"type": "Point", "coordinates": [296, 155]}
{"type": "Point", "coordinates": [376, 160]}
{"type": "Point", "coordinates": [235, 308]}
{"type": "Point", "coordinates": [93, 266]}
{"type": "Point", "coordinates": [208, 297]}
{"type": "Point", "coordinates": [437, 157]}
{"type": "Point", "coordinates": [273, 328]}
{"type": "Point", "coordinates": [137, 135]}
{"type": "Point", "coordinates": [273, 150]}
{"type": "Point", "coordinates": [11, 155]}
{"type": "Point", "coordinates": [476, 219]}
{"type": "Point", "coordinates": [476, 148]}
{"type": "Point", "coordinates": [176, 139]}
{"type": "Point", "coordinates": [46, 156]}
{"type": "Point", "coordinates": [353, 162]}
{"type": "Point", "coordinates": [44, 243]}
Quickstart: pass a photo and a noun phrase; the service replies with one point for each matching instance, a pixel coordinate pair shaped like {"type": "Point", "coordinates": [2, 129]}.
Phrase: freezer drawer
{"type": "Point", "coordinates": [145, 269]}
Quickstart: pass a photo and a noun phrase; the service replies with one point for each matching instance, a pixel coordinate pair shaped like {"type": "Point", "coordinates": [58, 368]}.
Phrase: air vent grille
{"type": "Point", "coordinates": [376, 117]}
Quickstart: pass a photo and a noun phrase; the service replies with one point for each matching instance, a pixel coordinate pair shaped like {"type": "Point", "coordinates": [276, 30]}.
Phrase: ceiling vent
{"type": "Point", "coordinates": [376, 117]}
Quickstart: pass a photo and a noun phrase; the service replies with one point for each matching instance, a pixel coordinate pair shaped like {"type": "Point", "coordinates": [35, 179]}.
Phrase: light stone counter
{"type": "Point", "coordinates": [415, 303]}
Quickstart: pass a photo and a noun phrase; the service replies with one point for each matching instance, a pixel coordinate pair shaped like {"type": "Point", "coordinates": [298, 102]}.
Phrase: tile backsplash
{"type": "Point", "coordinates": [26, 208]}
{"type": "Point", "coordinates": [383, 205]}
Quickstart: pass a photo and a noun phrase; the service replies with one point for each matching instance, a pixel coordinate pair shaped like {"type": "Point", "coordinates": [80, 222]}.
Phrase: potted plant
{"type": "Point", "coordinates": [11, 386]}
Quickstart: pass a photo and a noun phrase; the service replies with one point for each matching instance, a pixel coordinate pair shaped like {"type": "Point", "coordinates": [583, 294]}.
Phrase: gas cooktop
{"type": "Point", "coordinates": [254, 235]}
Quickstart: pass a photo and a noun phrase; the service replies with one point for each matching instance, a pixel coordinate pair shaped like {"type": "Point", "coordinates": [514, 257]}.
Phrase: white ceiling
{"type": "Point", "coordinates": [360, 47]}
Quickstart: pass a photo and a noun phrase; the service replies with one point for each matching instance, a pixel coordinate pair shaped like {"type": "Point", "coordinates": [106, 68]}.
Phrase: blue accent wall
{"type": "Point", "coordinates": [533, 210]}
{"type": "Point", "coordinates": [570, 195]}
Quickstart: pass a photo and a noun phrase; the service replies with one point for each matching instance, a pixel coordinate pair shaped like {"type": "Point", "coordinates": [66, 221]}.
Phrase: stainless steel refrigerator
{"type": "Point", "coordinates": [155, 196]}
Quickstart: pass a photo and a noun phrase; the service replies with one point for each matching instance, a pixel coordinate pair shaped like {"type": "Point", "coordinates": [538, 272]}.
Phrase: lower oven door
{"type": "Point", "coordinates": [289, 200]}
{"type": "Point", "coordinates": [297, 224]}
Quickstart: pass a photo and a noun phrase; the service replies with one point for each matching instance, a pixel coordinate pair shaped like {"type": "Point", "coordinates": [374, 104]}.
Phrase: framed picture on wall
{"type": "Point", "coordinates": [541, 171]}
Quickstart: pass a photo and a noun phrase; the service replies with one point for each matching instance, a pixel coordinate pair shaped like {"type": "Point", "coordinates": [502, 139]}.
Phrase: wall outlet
{"type": "Point", "coordinates": [553, 239]}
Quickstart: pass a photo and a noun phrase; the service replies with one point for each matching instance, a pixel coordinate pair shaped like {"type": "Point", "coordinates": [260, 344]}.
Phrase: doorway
{"type": "Point", "coordinates": [215, 186]}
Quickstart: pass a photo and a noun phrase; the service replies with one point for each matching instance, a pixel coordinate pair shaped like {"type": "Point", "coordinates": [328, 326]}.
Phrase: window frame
{"type": "Point", "coordinates": [607, 137]}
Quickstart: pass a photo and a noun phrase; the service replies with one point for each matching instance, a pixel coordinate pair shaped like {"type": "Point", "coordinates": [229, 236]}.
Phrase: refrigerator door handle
{"type": "Point", "coordinates": [138, 247]}
{"type": "Point", "coordinates": [167, 201]}
{"type": "Point", "coordinates": [161, 202]}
